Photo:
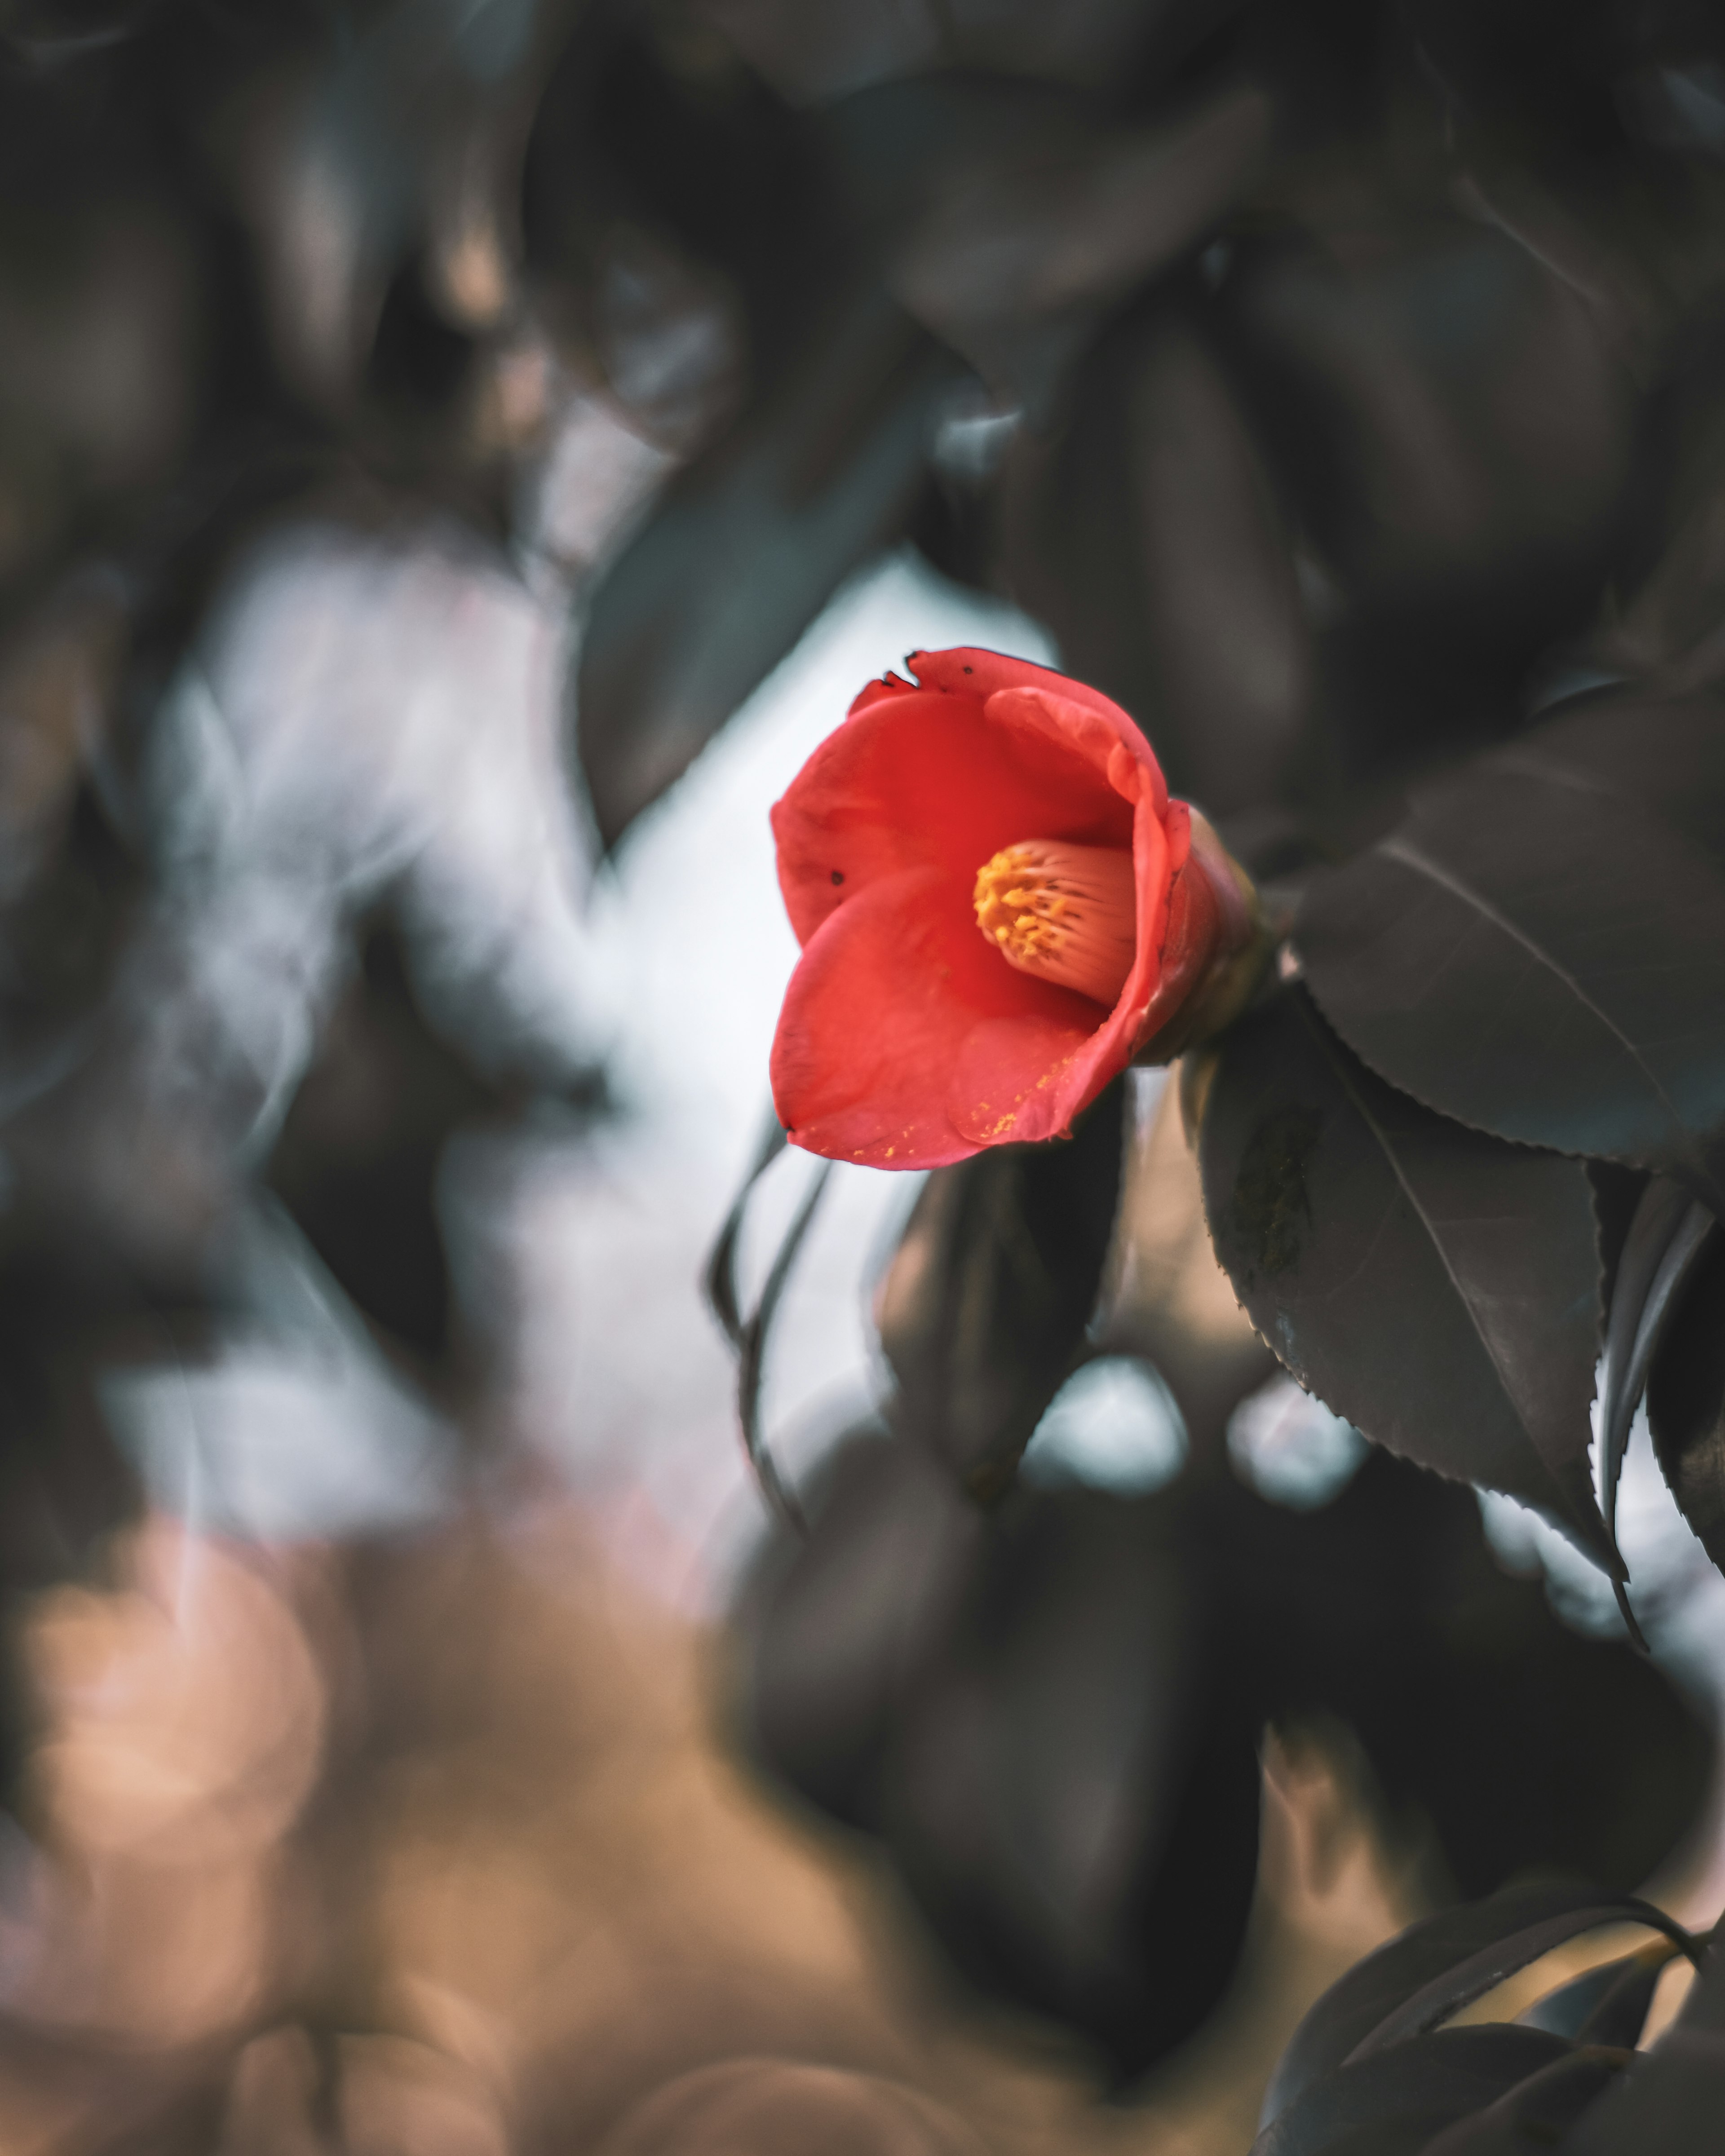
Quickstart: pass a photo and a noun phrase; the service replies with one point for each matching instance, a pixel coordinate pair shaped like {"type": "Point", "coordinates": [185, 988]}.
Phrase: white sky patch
{"type": "Point", "coordinates": [1290, 1448]}
{"type": "Point", "coordinates": [1113, 1425]}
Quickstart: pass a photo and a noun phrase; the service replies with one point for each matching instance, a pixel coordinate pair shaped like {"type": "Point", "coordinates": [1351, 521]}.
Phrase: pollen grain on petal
{"type": "Point", "coordinates": [1064, 913]}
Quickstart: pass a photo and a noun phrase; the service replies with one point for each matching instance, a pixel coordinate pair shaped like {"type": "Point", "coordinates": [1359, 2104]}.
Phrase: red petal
{"type": "Point", "coordinates": [1190, 940]}
{"type": "Point", "coordinates": [926, 780]}
{"type": "Point", "coordinates": [897, 1001]}
{"type": "Point", "coordinates": [871, 692]}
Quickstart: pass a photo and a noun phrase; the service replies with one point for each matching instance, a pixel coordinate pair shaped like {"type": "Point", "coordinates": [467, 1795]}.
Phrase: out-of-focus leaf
{"type": "Point", "coordinates": [1048, 1712]}
{"type": "Point", "coordinates": [1395, 2106]}
{"type": "Point", "coordinates": [813, 50]}
{"type": "Point", "coordinates": [1533, 2114]}
{"type": "Point", "coordinates": [1073, 1785]}
{"type": "Point", "coordinates": [1538, 961]}
{"type": "Point", "coordinates": [1443, 405]}
{"type": "Point", "coordinates": [983, 1309]}
{"type": "Point", "coordinates": [1145, 533]}
{"type": "Point", "coordinates": [835, 1627]}
{"type": "Point", "coordinates": [402, 138]}
{"type": "Point", "coordinates": [1671, 2096]}
{"type": "Point", "coordinates": [751, 1358]}
{"type": "Point", "coordinates": [1436, 1287]}
{"type": "Point", "coordinates": [1686, 1401]}
{"type": "Point", "coordinates": [1665, 1238]}
{"type": "Point", "coordinates": [1433, 1970]}
{"type": "Point", "coordinates": [1015, 260]}
{"type": "Point", "coordinates": [356, 1160]}
{"type": "Point", "coordinates": [746, 547]}
{"type": "Point", "coordinates": [1609, 2004]}
{"type": "Point", "coordinates": [1519, 1744]}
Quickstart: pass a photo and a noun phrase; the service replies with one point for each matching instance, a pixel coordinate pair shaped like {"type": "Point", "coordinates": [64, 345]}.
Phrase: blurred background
{"type": "Point", "coordinates": [457, 459]}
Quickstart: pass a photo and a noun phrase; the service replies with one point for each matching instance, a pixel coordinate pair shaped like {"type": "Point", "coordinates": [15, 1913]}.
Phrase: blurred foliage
{"type": "Point", "coordinates": [498, 389]}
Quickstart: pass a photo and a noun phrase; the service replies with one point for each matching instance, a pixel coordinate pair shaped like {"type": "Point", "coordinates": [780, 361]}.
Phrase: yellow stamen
{"type": "Point", "coordinates": [1064, 913]}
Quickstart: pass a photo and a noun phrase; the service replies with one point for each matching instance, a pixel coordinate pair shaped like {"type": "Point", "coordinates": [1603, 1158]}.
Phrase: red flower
{"type": "Point", "coordinates": [999, 908]}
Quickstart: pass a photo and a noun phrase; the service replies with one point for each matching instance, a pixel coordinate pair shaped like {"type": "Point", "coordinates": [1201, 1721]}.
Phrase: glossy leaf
{"type": "Point", "coordinates": [1400, 2102]}
{"type": "Point", "coordinates": [1435, 1968]}
{"type": "Point", "coordinates": [1686, 1402]}
{"type": "Point", "coordinates": [1666, 753]}
{"type": "Point", "coordinates": [983, 1309]}
{"type": "Point", "coordinates": [1541, 962]}
{"type": "Point", "coordinates": [744, 550]}
{"type": "Point", "coordinates": [1436, 1287]}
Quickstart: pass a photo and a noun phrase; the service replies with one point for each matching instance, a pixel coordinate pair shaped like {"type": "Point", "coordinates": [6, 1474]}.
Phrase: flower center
{"type": "Point", "coordinates": [1064, 913]}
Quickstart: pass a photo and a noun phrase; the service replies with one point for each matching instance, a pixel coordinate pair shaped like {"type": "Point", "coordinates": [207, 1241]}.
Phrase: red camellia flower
{"type": "Point", "coordinates": [999, 908]}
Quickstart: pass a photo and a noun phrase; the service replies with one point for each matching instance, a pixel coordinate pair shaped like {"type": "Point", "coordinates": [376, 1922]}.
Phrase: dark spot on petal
{"type": "Point", "coordinates": [970, 670]}
{"type": "Point", "coordinates": [838, 875]}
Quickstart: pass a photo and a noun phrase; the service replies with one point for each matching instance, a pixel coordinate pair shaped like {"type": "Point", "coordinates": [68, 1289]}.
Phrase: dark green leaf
{"type": "Point", "coordinates": [1538, 961]}
{"type": "Point", "coordinates": [745, 549]}
{"type": "Point", "coordinates": [982, 1312]}
{"type": "Point", "coordinates": [1433, 1286]}
{"type": "Point", "coordinates": [1686, 1402]}
{"type": "Point", "coordinates": [1437, 1967]}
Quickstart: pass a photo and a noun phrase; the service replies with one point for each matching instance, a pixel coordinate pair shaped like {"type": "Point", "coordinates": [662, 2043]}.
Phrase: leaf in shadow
{"type": "Point", "coordinates": [832, 1628]}
{"type": "Point", "coordinates": [1073, 1787]}
{"type": "Point", "coordinates": [1537, 960]}
{"type": "Point", "coordinates": [1435, 1968]}
{"type": "Point", "coordinates": [1609, 2004]}
{"type": "Point", "coordinates": [983, 1309]}
{"type": "Point", "coordinates": [1671, 2098]}
{"type": "Point", "coordinates": [1015, 261]}
{"type": "Point", "coordinates": [1533, 2114]}
{"type": "Point", "coordinates": [1666, 1234]}
{"type": "Point", "coordinates": [1686, 1401]}
{"type": "Point", "coordinates": [1435, 1287]}
{"type": "Point", "coordinates": [1396, 2105]}
{"type": "Point", "coordinates": [1143, 529]}
{"type": "Point", "coordinates": [1453, 428]}
{"type": "Point", "coordinates": [1666, 753]}
{"type": "Point", "coordinates": [745, 548]}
